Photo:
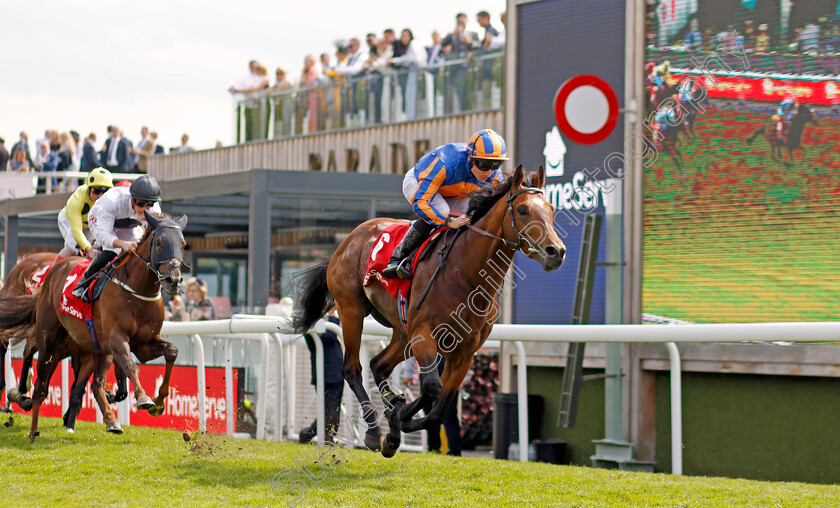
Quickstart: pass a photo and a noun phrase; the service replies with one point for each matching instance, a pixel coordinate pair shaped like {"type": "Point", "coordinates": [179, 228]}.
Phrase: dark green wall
{"type": "Point", "coordinates": [780, 428]}
{"type": "Point", "coordinates": [547, 382]}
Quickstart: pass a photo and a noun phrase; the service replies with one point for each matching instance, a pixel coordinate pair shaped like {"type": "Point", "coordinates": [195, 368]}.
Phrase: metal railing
{"type": "Point", "coordinates": [17, 184]}
{"type": "Point", "coordinates": [374, 98]}
{"type": "Point", "coordinates": [374, 332]}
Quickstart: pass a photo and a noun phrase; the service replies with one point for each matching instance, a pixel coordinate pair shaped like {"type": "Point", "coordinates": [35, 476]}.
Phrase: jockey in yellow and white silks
{"type": "Point", "coordinates": [73, 218]}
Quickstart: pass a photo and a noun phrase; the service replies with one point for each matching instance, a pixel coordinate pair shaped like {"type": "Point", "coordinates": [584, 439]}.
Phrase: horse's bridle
{"type": "Point", "coordinates": [517, 245]}
{"type": "Point", "coordinates": [153, 265]}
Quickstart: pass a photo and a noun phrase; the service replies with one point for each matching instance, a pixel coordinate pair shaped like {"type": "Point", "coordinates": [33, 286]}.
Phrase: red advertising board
{"type": "Point", "coordinates": [817, 91]}
{"type": "Point", "coordinates": [181, 411]}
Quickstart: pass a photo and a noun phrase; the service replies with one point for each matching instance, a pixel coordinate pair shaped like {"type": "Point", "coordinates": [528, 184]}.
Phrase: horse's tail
{"type": "Point", "coordinates": [17, 311]}
{"type": "Point", "coordinates": [313, 297]}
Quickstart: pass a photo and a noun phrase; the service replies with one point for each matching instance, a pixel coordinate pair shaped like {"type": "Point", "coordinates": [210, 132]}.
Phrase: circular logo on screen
{"type": "Point", "coordinates": [586, 109]}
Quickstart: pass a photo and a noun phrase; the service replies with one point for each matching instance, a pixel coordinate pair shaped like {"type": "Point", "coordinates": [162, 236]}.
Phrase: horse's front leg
{"type": "Point", "coordinates": [122, 355]}
{"type": "Point", "coordinates": [150, 351]}
{"type": "Point", "coordinates": [425, 351]}
{"type": "Point", "coordinates": [454, 373]}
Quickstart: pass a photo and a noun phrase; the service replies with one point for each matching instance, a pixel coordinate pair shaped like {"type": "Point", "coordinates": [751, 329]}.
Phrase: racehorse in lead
{"type": "Point", "coordinates": [790, 137]}
{"type": "Point", "coordinates": [460, 306]}
{"type": "Point", "coordinates": [126, 318]}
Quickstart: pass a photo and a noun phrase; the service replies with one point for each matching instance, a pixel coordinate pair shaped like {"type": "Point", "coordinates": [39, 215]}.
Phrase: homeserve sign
{"type": "Point", "coordinates": [581, 192]}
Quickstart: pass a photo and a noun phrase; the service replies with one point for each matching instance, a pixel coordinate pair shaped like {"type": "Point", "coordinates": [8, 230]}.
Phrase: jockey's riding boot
{"type": "Point", "coordinates": [98, 263]}
{"type": "Point", "coordinates": [416, 234]}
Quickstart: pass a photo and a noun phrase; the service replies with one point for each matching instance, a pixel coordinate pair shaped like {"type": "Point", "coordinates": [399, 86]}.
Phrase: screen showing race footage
{"type": "Point", "coordinates": [742, 178]}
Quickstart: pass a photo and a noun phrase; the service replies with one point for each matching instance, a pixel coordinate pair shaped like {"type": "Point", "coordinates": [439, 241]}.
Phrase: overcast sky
{"type": "Point", "coordinates": [85, 64]}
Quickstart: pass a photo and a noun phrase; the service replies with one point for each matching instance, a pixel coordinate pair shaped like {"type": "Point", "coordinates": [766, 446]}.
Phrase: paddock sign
{"type": "Point", "coordinates": [569, 131]}
{"type": "Point", "coordinates": [181, 411]}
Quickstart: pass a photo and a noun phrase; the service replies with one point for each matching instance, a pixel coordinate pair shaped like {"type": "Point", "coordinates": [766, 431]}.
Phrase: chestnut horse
{"type": "Point", "coordinates": [458, 312]}
{"type": "Point", "coordinates": [17, 284]}
{"type": "Point", "coordinates": [126, 318]}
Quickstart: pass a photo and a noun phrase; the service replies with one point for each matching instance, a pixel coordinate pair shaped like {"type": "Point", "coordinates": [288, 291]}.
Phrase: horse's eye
{"type": "Point", "coordinates": [522, 210]}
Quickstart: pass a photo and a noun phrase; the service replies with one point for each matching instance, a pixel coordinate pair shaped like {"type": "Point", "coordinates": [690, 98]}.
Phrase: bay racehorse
{"type": "Point", "coordinates": [458, 312]}
{"type": "Point", "coordinates": [126, 318]}
{"type": "Point", "coordinates": [18, 283]}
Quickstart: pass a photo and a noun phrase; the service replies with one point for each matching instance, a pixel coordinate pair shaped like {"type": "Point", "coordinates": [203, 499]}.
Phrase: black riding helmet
{"type": "Point", "coordinates": [145, 188]}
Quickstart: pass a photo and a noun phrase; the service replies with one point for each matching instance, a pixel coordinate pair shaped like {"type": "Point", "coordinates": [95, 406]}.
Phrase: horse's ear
{"type": "Point", "coordinates": [518, 176]}
{"type": "Point", "coordinates": [153, 222]}
{"type": "Point", "coordinates": [182, 221]}
{"type": "Point", "coordinates": [539, 178]}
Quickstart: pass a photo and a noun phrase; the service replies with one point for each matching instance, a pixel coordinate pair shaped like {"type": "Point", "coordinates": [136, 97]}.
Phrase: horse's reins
{"type": "Point", "coordinates": [509, 244]}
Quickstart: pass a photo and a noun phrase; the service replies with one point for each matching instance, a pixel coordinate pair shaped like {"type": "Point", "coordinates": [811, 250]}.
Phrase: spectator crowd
{"type": "Point", "coordinates": [66, 151]}
{"type": "Point", "coordinates": [332, 88]}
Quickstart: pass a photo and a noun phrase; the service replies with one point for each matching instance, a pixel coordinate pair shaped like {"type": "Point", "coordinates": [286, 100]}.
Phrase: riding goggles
{"type": "Point", "coordinates": [487, 164]}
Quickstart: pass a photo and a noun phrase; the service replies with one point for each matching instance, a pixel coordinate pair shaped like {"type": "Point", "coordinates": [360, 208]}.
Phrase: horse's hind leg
{"type": "Point", "coordinates": [381, 366]}
{"type": "Point", "coordinates": [46, 367]}
{"type": "Point", "coordinates": [351, 324]}
{"type": "Point", "coordinates": [83, 368]}
{"type": "Point", "coordinates": [3, 348]}
{"type": "Point", "coordinates": [101, 364]}
{"type": "Point", "coordinates": [22, 400]}
{"type": "Point", "coordinates": [122, 383]}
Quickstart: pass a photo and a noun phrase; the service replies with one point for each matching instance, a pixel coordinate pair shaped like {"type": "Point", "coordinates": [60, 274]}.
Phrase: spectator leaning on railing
{"type": "Point", "coordinates": [23, 144]}
{"type": "Point", "coordinates": [19, 162]}
{"type": "Point", "coordinates": [283, 104]}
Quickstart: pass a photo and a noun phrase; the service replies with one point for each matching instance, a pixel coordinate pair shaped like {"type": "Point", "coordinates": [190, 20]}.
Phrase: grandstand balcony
{"type": "Point", "coordinates": [375, 123]}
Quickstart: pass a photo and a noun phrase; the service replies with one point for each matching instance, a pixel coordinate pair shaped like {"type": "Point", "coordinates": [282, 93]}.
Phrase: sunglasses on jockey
{"type": "Point", "coordinates": [98, 190]}
{"type": "Point", "coordinates": [143, 204]}
{"type": "Point", "coordinates": [487, 164]}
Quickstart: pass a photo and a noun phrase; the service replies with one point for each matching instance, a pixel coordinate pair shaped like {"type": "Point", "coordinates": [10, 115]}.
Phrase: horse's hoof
{"type": "Point", "coordinates": [157, 410]}
{"type": "Point", "coordinates": [13, 395]}
{"type": "Point", "coordinates": [373, 441]}
{"type": "Point", "coordinates": [110, 397]}
{"type": "Point", "coordinates": [25, 403]}
{"type": "Point", "coordinates": [145, 402]}
{"type": "Point", "coordinates": [120, 396]}
{"type": "Point", "coordinates": [389, 446]}
{"type": "Point", "coordinates": [114, 427]}
{"type": "Point", "coordinates": [70, 430]}
{"type": "Point", "coordinates": [33, 435]}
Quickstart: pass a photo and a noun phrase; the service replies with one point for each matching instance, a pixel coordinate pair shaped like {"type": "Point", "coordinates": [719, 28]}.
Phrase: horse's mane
{"type": "Point", "coordinates": [483, 199]}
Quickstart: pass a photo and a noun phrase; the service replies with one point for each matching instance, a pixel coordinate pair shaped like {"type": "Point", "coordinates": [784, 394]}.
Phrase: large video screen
{"type": "Point", "coordinates": [742, 202]}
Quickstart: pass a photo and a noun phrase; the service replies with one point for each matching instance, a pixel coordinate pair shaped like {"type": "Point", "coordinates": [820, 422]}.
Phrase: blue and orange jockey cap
{"type": "Point", "coordinates": [487, 144]}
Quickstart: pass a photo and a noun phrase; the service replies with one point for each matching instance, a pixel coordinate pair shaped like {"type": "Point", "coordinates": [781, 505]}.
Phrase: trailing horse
{"type": "Point", "coordinates": [460, 305]}
{"type": "Point", "coordinates": [19, 283]}
{"type": "Point", "coordinates": [126, 318]}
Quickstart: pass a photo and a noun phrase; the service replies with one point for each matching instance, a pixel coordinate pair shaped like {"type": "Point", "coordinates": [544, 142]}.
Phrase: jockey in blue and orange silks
{"type": "Point", "coordinates": [438, 185]}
